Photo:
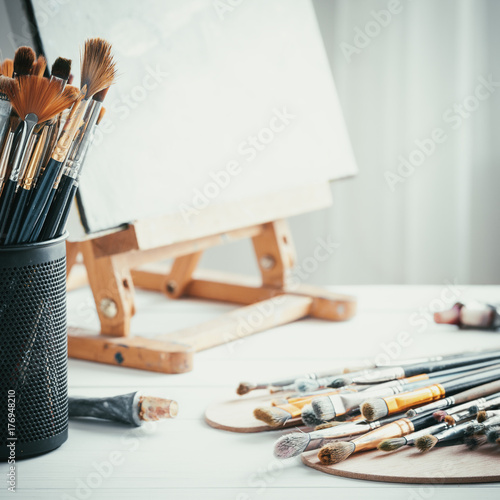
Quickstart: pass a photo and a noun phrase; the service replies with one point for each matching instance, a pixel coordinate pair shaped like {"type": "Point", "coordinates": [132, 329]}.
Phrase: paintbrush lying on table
{"type": "Point", "coordinates": [132, 409]}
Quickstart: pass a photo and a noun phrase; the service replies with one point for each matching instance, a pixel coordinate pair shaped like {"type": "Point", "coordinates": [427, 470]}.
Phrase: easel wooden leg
{"type": "Point", "coordinates": [113, 291]}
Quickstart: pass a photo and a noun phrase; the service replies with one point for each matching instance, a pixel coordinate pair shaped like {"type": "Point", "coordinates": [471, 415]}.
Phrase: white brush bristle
{"type": "Point", "coordinates": [323, 408]}
{"type": "Point", "coordinates": [291, 445]}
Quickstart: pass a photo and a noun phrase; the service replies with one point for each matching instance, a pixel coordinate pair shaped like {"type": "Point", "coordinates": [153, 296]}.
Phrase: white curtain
{"type": "Point", "coordinates": [420, 84]}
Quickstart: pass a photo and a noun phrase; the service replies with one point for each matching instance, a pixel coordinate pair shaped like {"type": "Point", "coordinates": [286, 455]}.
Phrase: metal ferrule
{"type": "Point", "coordinates": [26, 159]}
{"type": "Point", "coordinates": [28, 125]}
{"type": "Point", "coordinates": [479, 402]}
{"type": "Point", "coordinates": [81, 144]}
{"type": "Point", "coordinates": [380, 375]}
{"type": "Point", "coordinates": [371, 440]}
{"type": "Point", "coordinates": [433, 429]}
{"type": "Point", "coordinates": [491, 403]}
{"type": "Point", "coordinates": [348, 401]}
{"type": "Point", "coordinates": [437, 405]}
{"type": "Point", "coordinates": [68, 133]}
{"type": "Point", "coordinates": [35, 159]}
{"type": "Point", "coordinates": [4, 159]}
{"type": "Point", "coordinates": [454, 432]}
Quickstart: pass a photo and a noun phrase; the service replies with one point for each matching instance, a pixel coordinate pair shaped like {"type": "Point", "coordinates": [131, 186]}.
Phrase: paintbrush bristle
{"type": "Point", "coordinates": [61, 68]}
{"type": "Point", "coordinates": [272, 415]}
{"type": "Point", "coordinates": [333, 453]}
{"type": "Point", "coordinates": [493, 434]}
{"type": "Point", "coordinates": [374, 409]}
{"type": "Point", "coordinates": [327, 425]}
{"type": "Point", "coordinates": [98, 68]}
{"type": "Point", "coordinates": [341, 382]}
{"type": "Point", "coordinates": [481, 416]}
{"type": "Point", "coordinates": [473, 442]}
{"type": "Point", "coordinates": [38, 68]}
{"type": "Point", "coordinates": [426, 443]}
{"type": "Point", "coordinates": [411, 413]}
{"type": "Point", "coordinates": [291, 445]}
{"type": "Point", "coordinates": [391, 444]}
{"type": "Point", "coordinates": [23, 61]}
{"type": "Point", "coordinates": [440, 415]}
{"type": "Point", "coordinates": [309, 417]}
{"type": "Point", "coordinates": [42, 97]}
{"type": "Point", "coordinates": [7, 68]}
{"type": "Point", "coordinates": [474, 410]}
{"type": "Point", "coordinates": [244, 387]}
{"type": "Point", "coordinates": [306, 385]}
{"type": "Point", "coordinates": [449, 419]}
{"type": "Point", "coordinates": [323, 408]}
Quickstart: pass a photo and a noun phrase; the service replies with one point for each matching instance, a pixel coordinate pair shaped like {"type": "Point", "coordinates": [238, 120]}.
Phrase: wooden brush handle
{"type": "Point", "coordinates": [477, 392]}
{"type": "Point", "coordinates": [402, 402]}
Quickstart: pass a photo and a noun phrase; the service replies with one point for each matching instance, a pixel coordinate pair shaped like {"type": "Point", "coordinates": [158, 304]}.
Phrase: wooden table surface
{"type": "Point", "coordinates": [185, 458]}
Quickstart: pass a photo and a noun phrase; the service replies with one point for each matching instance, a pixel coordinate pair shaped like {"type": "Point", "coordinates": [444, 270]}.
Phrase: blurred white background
{"type": "Point", "coordinates": [419, 83]}
{"type": "Point", "coordinates": [397, 84]}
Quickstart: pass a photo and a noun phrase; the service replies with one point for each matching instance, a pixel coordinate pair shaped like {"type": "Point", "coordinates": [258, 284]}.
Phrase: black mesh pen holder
{"type": "Point", "coordinates": [33, 349]}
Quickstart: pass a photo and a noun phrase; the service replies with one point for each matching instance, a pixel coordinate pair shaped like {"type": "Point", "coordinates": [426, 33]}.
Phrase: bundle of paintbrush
{"type": "Point", "coordinates": [390, 407]}
{"type": "Point", "coordinates": [46, 127]}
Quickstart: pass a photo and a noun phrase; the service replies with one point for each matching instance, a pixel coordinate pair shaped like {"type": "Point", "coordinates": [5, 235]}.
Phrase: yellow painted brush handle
{"type": "Point", "coordinates": [372, 439]}
{"type": "Point", "coordinates": [295, 411]}
{"type": "Point", "coordinates": [407, 400]}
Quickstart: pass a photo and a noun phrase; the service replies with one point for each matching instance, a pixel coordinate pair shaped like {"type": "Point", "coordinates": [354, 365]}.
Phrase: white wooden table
{"type": "Point", "coordinates": [185, 458]}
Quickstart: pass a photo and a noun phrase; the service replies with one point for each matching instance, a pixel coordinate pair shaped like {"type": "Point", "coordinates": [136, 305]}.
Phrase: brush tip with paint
{"type": "Point", "coordinates": [272, 415]}
{"type": "Point", "coordinates": [327, 425]}
{"type": "Point", "coordinates": [374, 409]}
{"type": "Point", "coordinates": [306, 385]}
{"type": "Point", "coordinates": [481, 416]}
{"type": "Point", "coordinates": [333, 453]}
{"type": "Point", "coordinates": [439, 415]}
{"type": "Point", "coordinates": [392, 444]}
{"type": "Point", "coordinates": [493, 434]}
{"type": "Point", "coordinates": [23, 61]}
{"type": "Point", "coordinates": [61, 68]}
{"type": "Point", "coordinates": [309, 417]}
{"type": "Point", "coordinates": [426, 443]}
{"type": "Point", "coordinates": [291, 445]}
{"type": "Point", "coordinates": [323, 408]}
{"type": "Point", "coordinates": [245, 388]}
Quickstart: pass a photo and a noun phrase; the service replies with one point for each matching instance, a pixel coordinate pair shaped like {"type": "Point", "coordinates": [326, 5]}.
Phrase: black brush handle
{"type": "Point", "coordinates": [67, 209]}
{"type": "Point", "coordinates": [445, 364]}
{"type": "Point", "coordinates": [469, 381]}
{"type": "Point", "coordinates": [123, 408]}
{"type": "Point", "coordinates": [8, 194]}
{"type": "Point", "coordinates": [36, 234]}
{"type": "Point", "coordinates": [56, 208]}
{"type": "Point", "coordinates": [39, 199]}
{"type": "Point", "coordinates": [423, 421]}
{"type": "Point", "coordinates": [16, 220]}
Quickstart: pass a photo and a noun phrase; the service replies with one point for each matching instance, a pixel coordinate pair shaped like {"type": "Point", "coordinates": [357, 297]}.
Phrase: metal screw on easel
{"type": "Point", "coordinates": [267, 262]}
{"type": "Point", "coordinates": [171, 286]}
{"type": "Point", "coordinates": [108, 307]}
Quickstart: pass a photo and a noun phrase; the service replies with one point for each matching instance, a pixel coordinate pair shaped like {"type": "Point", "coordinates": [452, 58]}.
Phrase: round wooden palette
{"type": "Point", "coordinates": [447, 465]}
{"type": "Point", "coordinates": [236, 415]}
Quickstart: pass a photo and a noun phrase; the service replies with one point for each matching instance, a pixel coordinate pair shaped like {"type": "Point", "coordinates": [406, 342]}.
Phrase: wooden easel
{"type": "Point", "coordinates": [112, 262]}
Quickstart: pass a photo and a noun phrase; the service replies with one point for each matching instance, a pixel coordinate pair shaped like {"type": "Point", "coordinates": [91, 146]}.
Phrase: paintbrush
{"type": "Point", "coordinates": [60, 72]}
{"type": "Point", "coordinates": [36, 100]}
{"type": "Point", "coordinates": [6, 150]}
{"type": "Point", "coordinates": [336, 452]}
{"type": "Point", "coordinates": [485, 390]}
{"type": "Point", "coordinates": [23, 193]}
{"type": "Point", "coordinates": [309, 418]}
{"type": "Point", "coordinates": [132, 409]}
{"type": "Point", "coordinates": [450, 436]}
{"type": "Point", "coordinates": [409, 440]}
{"type": "Point", "coordinates": [293, 444]}
{"type": "Point", "coordinates": [476, 407]}
{"type": "Point", "coordinates": [328, 407]}
{"type": "Point", "coordinates": [279, 414]}
{"type": "Point", "coordinates": [374, 409]}
{"type": "Point", "coordinates": [66, 187]}
{"type": "Point", "coordinates": [404, 371]}
{"type": "Point", "coordinates": [98, 72]}
{"type": "Point", "coordinates": [5, 110]}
